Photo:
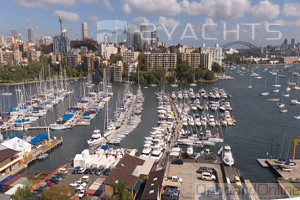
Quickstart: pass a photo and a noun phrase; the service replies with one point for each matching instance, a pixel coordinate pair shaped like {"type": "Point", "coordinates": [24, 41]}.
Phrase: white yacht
{"type": "Point", "coordinates": [146, 150]}
{"type": "Point", "coordinates": [190, 151]}
{"type": "Point", "coordinates": [96, 139]}
{"type": "Point", "coordinates": [227, 156]}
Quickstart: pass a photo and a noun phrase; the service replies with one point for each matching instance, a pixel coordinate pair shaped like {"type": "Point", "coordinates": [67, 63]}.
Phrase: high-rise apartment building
{"type": "Point", "coordinates": [84, 31]}
{"type": "Point", "coordinates": [14, 33]}
{"type": "Point", "coordinates": [166, 60]}
{"type": "Point", "coordinates": [30, 34]}
{"type": "Point", "coordinates": [192, 58]}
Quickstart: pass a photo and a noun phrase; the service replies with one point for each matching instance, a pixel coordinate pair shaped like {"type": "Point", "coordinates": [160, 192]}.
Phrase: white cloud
{"type": "Point", "coordinates": [168, 22]}
{"type": "Point", "coordinates": [140, 20]}
{"type": "Point", "coordinates": [291, 9]}
{"type": "Point", "coordinates": [90, 1]}
{"type": "Point", "coordinates": [94, 19]}
{"type": "Point", "coordinates": [266, 10]}
{"type": "Point", "coordinates": [108, 5]}
{"type": "Point", "coordinates": [152, 7]}
{"type": "Point", "coordinates": [219, 9]}
{"type": "Point", "coordinates": [67, 16]}
{"type": "Point", "coordinates": [28, 20]}
{"type": "Point", "coordinates": [43, 3]}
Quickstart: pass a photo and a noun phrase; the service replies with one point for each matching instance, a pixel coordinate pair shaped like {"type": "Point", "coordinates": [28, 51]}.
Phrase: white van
{"type": "Point", "coordinates": [85, 179]}
{"type": "Point", "coordinates": [63, 170]}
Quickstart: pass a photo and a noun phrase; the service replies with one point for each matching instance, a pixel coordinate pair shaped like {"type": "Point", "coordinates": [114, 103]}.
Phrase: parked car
{"type": "Point", "coordinates": [80, 194]}
{"type": "Point", "coordinates": [106, 172]}
{"type": "Point", "coordinates": [177, 162]}
{"type": "Point", "coordinates": [99, 170]}
{"type": "Point", "coordinates": [87, 170]}
{"type": "Point", "coordinates": [207, 176]}
{"type": "Point", "coordinates": [211, 195]}
{"type": "Point", "coordinates": [75, 170]}
{"type": "Point", "coordinates": [205, 169]}
{"type": "Point", "coordinates": [93, 171]}
{"type": "Point", "coordinates": [174, 179]}
{"type": "Point", "coordinates": [50, 184]}
{"type": "Point", "coordinates": [60, 175]}
{"type": "Point", "coordinates": [81, 170]}
{"type": "Point", "coordinates": [85, 179]}
{"type": "Point", "coordinates": [37, 192]}
{"type": "Point", "coordinates": [171, 195]}
{"type": "Point", "coordinates": [80, 183]}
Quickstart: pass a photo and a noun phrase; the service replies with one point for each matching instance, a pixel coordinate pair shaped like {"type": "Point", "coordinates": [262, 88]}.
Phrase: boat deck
{"type": "Point", "coordinates": [294, 175]}
{"type": "Point", "coordinates": [262, 162]}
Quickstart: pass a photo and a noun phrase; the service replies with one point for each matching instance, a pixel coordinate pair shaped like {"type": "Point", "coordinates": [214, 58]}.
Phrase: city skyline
{"type": "Point", "coordinates": [171, 13]}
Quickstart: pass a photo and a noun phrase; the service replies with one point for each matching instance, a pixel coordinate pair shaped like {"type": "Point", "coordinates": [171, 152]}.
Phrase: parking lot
{"type": "Point", "coordinates": [71, 178]}
{"type": "Point", "coordinates": [192, 187]}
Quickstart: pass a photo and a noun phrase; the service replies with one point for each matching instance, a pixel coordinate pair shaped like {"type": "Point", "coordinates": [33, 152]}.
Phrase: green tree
{"type": "Point", "coordinates": [22, 193]}
{"type": "Point", "coordinates": [209, 75]}
{"type": "Point", "coordinates": [183, 71]}
{"type": "Point", "coordinates": [120, 192]}
{"type": "Point", "coordinates": [115, 57]}
{"type": "Point", "coordinates": [141, 62]}
{"type": "Point", "coordinates": [217, 68]}
{"type": "Point", "coordinates": [58, 193]}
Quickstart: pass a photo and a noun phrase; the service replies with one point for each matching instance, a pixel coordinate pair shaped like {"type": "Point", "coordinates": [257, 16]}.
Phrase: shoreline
{"type": "Point", "coordinates": [31, 82]}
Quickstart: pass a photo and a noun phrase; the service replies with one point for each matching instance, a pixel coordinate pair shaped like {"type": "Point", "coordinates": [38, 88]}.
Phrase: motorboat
{"type": "Point", "coordinates": [283, 110]}
{"type": "Point", "coordinates": [190, 151]}
{"type": "Point", "coordinates": [294, 102]}
{"type": "Point", "coordinates": [264, 93]}
{"type": "Point", "coordinates": [297, 117]}
{"type": "Point", "coordinates": [96, 139]}
{"type": "Point", "coordinates": [227, 156]}
{"type": "Point", "coordinates": [43, 156]}
{"type": "Point", "coordinates": [273, 99]}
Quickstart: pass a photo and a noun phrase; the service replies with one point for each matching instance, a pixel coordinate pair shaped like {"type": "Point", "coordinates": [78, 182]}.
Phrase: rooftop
{"type": "Point", "coordinates": [153, 185]}
{"type": "Point", "coordinates": [125, 171]}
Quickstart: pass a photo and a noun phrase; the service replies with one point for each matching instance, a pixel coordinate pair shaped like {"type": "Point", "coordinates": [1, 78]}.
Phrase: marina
{"type": "Point", "coordinates": [188, 123]}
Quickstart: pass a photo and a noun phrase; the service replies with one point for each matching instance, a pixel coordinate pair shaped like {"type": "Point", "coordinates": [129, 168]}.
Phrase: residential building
{"type": "Point", "coordinates": [8, 57]}
{"type": "Point", "coordinates": [1, 57]}
{"type": "Point", "coordinates": [290, 60]}
{"type": "Point", "coordinates": [30, 34]}
{"type": "Point", "coordinates": [9, 159]}
{"type": "Point", "coordinates": [47, 40]}
{"type": "Point", "coordinates": [130, 55]}
{"type": "Point", "coordinates": [105, 50]}
{"type": "Point", "coordinates": [206, 60]}
{"type": "Point", "coordinates": [131, 170]}
{"type": "Point", "coordinates": [72, 59]}
{"type": "Point", "coordinates": [84, 31]}
{"type": "Point", "coordinates": [1, 40]}
{"type": "Point", "coordinates": [166, 60]}
{"type": "Point", "coordinates": [33, 55]}
{"type": "Point", "coordinates": [88, 62]}
{"type": "Point", "coordinates": [9, 40]}
{"type": "Point", "coordinates": [106, 38]}
{"type": "Point", "coordinates": [17, 57]}
{"type": "Point", "coordinates": [137, 43]}
{"type": "Point", "coordinates": [192, 58]}
{"type": "Point", "coordinates": [118, 71]}
{"type": "Point", "coordinates": [61, 44]}
{"type": "Point", "coordinates": [39, 42]}
{"type": "Point", "coordinates": [132, 67]}
{"type": "Point", "coordinates": [154, 188]}
{"type": "Point", "coordinates": [216, 53]}
{"type": "Point", "coordinates": [14, 33]}
{"type": "Point", "coordinates": [154, 39]}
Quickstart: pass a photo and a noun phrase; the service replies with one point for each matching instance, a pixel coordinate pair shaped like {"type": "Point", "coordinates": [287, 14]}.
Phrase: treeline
{"type": "Point", "coordinates": [183, 73]}
{"type": "Point", "coordinates": [35, 70]}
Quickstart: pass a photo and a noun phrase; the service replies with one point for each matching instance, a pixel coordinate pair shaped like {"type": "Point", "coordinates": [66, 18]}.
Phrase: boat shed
{"type": "Point", "coordinates": [18, 144]}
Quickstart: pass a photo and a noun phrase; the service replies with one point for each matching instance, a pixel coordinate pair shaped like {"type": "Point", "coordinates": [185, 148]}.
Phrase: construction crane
{"type": "Point", "coordinates": [294, 149]}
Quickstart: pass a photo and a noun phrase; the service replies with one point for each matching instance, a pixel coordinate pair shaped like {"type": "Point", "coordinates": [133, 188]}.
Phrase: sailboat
{"type": "Point", "coordinates": [250, 86]}
{"type": "Point", "coordinates": [281, 104]}
{"type": "Point", "coordinates": [194, 84]}
{"type": "Point", "coordinates": [297, 87]}
{"type": "Point", "coordinates": [265, 92]}
{"type": "Point", "coordinates": [276, 85]}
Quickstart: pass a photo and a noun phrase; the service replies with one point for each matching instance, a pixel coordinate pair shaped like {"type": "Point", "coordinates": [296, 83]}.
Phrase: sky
{"type": "Point", "coordinates": [190, 22]}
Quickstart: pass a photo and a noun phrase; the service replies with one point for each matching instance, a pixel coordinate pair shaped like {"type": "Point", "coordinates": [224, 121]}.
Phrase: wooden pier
{"type": "Point", "coordinates": [262, 162]}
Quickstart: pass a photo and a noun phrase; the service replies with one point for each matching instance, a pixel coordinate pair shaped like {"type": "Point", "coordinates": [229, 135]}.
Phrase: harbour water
{"type": "Point", "coordinates": [258, 133]}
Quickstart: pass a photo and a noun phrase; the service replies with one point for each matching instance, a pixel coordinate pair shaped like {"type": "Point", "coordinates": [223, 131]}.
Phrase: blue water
{"type": "Point", "coordinates": [260, 126]}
